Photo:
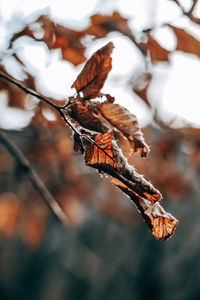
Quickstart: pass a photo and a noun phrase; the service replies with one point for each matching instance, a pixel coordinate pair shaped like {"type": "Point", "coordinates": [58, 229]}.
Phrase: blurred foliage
{"type": "Point", "coordinates": [105, 252]}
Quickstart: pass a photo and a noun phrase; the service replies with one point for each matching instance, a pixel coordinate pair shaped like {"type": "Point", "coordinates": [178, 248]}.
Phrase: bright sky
{"type": "Point", "coordinates": [175, 89]}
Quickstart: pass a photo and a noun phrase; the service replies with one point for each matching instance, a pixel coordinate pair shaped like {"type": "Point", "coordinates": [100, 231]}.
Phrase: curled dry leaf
{"type": "Point", "coordinates": [161, 223]}
{"type": "Point", "coordinates": [127, 123]}
{"type": "Point", "coordinates": [141, 85]}
{"type": "Point", "coordinates": [186, 42]}
{"type": "Point", "coordinates": [109, 159]}
{"type": "Point", "coordinates": [91, 79]}
{"type": "Point", "coordinates": [108, 117]}
{"type": "Point", "coordinates": [156, 52]}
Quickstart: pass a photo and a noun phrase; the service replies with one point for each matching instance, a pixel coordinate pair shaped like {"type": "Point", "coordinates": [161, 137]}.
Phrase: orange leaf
{"type": "Point", "coordinates": [186, 42]}
{"type": "Point", "coordinates": [91, 79]}
{"type": "Point", "coordinates": [102, 25]}
{"type": "Point", "coordinates": [161, 223]}
{"type": "Point", "coordinates": [127, 123]}
{"type": "Point", "coordinates": [95, 156]}
{"type": "Point", "coordinates": [157, 53]}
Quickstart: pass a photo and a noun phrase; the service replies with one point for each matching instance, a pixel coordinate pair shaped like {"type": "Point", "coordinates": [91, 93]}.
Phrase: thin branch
{"type": "Point", "coordinates": [27, 90]}
{"type": "Point", "coordinates": [192, 7]}
{"type": "Point", "coordinates": [60, 109]}
{"type": "Point", "coordinates": [34, 178]}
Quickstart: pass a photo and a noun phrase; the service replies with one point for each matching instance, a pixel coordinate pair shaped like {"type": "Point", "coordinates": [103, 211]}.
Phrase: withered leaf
{"type": "Point", "coordinates": [141, 86]}
{"type": "Point", "coordinates": [156, 52]}
{"type": "Point", "coordinates": [91, 79]}
{"type": "Point", "coordinates": [117, 166]}
{"type": "Point", "coordinates": [186, 42]}
{"type": "Point", "coordinates": [161, 223]}
{"type": "Point", "coordinates": [127, 123]}
{"type": "Point", "coordinates": [95, 156]}
{"type": "Point", "coordinates": [57, 36]}
{"type": "Point", "coordinates": [69, 42]}
{"type": "Point", "coordinates": [102, 25]}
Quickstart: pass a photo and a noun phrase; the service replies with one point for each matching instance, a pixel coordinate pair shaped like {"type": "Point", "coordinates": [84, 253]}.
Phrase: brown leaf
{"type": "Point", "coordinates": [110, 160]}
{"type": "Point", "coordinates": [141, 86]}
{"type": "Point", "coordinates": [157, 53]}
{"type": "Point", "coordinates": [102, 25]}
{"type": "Point", "coordinates": [186, 42]}
{"type": "Point", "coordinates": [161, 223]}
{"type": "Point", "coordinates": [91, 79]}
{"type": "Point", "coordinates": [69, 42]}
{"type": "Point", "coordinates": [127, 123]}
{"type": "Point", "coordinates": [95, 156]}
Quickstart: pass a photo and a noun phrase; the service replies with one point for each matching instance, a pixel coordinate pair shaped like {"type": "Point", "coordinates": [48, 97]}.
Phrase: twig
{"type": "Point", "coordinates": [34, 178]}
{"type": "Point", "coordinates": [189, 13]}
{"type": "Point", "coordinates": [60, 109]}
{"type": "Point", "coordinates": [192, 7]}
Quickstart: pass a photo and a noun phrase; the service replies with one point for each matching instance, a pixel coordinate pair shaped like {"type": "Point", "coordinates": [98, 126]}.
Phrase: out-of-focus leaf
{"type": "Point", "coordinates": [69, 42]}
{"type": "Point", "coordinates": [161, 223]}
{"type": "Point", "coordinates": [156, 52]}
{"type": "Point", "coordinates": [141, 86]}
{"type": "Point", "coordinates": [9, 211]}
{"type": "Point", "coordinates": [127, 123]}
{"type": "Point", "coordinates": [186, 42]}
{"type": "Point", "coordinates": [91, 79]}
{"type": "Point", "coordinates": [101, 25]}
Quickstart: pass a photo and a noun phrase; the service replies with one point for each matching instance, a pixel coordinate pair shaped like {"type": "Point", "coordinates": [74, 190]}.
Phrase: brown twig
{"type": "Point", "coordinates": [189, 13]}
{"type": "Point", "coordinates": [60, 109]}
{"type": "Point", "coordinates": [34, 178]}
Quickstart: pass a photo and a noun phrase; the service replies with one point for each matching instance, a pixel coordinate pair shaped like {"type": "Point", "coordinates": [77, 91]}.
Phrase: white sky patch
{"type": "Point", "coordinates": [13, 118]}
{"type": "Point", "coordinates": [181, 93]}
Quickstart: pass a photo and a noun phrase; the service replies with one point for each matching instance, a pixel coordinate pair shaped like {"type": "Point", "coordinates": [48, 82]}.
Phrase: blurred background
{"type": "Point", "coordinates": [106, 251]}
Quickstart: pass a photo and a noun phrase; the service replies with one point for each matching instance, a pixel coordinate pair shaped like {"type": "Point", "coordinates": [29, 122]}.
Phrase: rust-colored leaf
{"type": "Point", "coordinates": [91, 79]}
{"type": "Point", "coordinates": [69, 42]}
{"type": "Point", "coordinates": [156, 52]}
{"type": "Point", "coordinates": [102, 25]}
{"type": "Point", "coordinates": [186, 42]}
{"type": "Point", "coordinates": [127, 123]}
{"type": "Point", "coordinates": [95, 156]}
{"type": "Point", "coordinates": [141, 86]}
{"type": "Point", "coordinates": [161, 223]}
{"type": "Point", "coordinates": [106, 156]}
{"type": "Point", "coordinates": [9, 212]}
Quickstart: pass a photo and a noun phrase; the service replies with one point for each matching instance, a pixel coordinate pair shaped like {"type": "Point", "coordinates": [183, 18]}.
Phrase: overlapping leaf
{"type": "Point", "coordinates": [109, 159]}
{"type": "Point", "coordinates": [91, 79]}
{"type": "Point", "coordinates": [127, 123]}
{"type": "Point", "coordinates": [161, 223]}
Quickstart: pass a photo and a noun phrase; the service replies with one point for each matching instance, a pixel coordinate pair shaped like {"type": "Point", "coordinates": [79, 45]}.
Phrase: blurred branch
{"type": "Point", "coordinates": [189, 13]}
{"type": "Point", "coordinates": [34, 178]}
{"type": "Point", "coordinates": [60, 109]}
{"type": "Point", "coordinates": [192, 7]}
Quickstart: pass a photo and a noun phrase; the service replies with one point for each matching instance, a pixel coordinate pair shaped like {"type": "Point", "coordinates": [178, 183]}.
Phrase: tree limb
{"type": "Point", "coordinates": [34, 178]}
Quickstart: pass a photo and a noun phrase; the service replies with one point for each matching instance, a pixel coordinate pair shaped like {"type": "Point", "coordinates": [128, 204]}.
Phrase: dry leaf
{"type": "Point", "coordinates": [161, 223]}
{"type": "Point", "coordinates": [186, 42]}
{"type": "Point", "coordinates": [102, 25]}
{"type": "Point", "coordinates": [156, 52]}
{"type": "Point", "coordinates": [127, 123]}
{"type": "Point", "coordinates": [110, 160]}
{"type": "Point", "coordinates": [91, 79]}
